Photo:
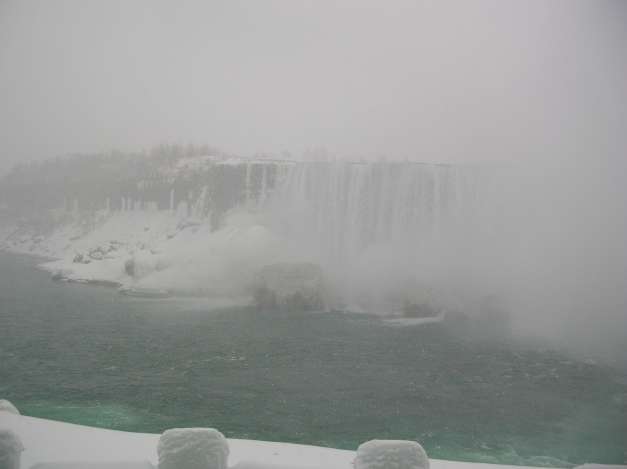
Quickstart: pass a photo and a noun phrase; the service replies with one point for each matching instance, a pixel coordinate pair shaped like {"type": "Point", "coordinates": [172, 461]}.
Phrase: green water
{"type": "Point", "coordinates": [86, 355]}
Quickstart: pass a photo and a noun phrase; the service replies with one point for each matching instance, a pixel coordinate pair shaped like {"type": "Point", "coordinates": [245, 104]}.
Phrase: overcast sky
{"type": "Point", "coordinates": [429, 80]}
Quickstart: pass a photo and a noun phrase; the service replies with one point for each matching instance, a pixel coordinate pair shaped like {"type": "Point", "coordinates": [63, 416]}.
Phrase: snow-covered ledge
{"type": "Point", "coordinates": [60, 445]}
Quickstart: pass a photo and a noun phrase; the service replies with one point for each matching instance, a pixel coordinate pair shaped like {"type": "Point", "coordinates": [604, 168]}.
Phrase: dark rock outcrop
{"type": "Point", "coordinates": [289, 287]}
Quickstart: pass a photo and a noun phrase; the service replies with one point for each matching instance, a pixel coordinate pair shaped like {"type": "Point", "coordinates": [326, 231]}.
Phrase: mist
{"type": "Point", "coordinates": [431, 81]}
{"type": "Point", "coordinates": [531, 93]}
{"type": "Point", "coordinates": [395, 230]}
{"type": "Point", "coordinates": [545, 240]}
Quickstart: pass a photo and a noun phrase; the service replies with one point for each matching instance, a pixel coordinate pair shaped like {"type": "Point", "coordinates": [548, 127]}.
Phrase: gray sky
{"type": "Point", "coordinates": [430, 80]}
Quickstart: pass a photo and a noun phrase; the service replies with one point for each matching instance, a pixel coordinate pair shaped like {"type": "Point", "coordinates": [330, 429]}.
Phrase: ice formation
{"type": "Point", "coordinates": [391, 454]}
{"type": "Point", "coordinates": [7, 406]}
{"type": "Point", "coordinates": [192, 448]}
{"type": "Point", "coordinates": [10, 450]}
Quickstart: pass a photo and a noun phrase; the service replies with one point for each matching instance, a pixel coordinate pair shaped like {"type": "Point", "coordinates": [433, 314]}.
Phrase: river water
{"type": "Point", "coordinates": [88, 355]}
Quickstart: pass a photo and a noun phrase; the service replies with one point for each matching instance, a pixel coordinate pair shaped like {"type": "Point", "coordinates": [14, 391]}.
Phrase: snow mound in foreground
{"type": "Point", "coordinates": [256, 465]}
{"type": "Point", "coordinates": [599, 466]}
{"type": "Point", "coordinates": [94, 465]}
{"type": "Point", "coordinates": [193, 448]}
{"type": "Point", "coordinates": [10, 450]}
{"type": "Point", "coordinates": [6, 406]}
{"type": "Point", "coordinates": [388, 454]}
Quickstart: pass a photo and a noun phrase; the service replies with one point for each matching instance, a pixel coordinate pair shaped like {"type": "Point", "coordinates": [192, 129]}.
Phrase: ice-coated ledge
{"type": "Point", "coordinates": [49, 441]}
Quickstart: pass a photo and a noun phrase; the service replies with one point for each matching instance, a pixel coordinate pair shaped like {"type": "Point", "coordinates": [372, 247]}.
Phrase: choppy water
{"type": "Point", "coordinates": [87, 355]}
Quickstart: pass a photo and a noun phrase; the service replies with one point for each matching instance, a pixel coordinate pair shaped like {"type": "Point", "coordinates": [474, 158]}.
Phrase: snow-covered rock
{"type": "Point", "coordinates": [391, 454]}
{"type": "Point", "coordinates": [290, 286]}
{"type": "Point", "coordinates": [7, 406]}
{"type": "Point", "coordinates": [143, 263]}
{"type": "Point", "coordinates": [10, 450]}
{"type": "Point", "coordinates": [192, 448]}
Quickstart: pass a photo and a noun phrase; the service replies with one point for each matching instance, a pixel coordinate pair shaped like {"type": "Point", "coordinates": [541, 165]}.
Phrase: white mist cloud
{"type": "Point", "coordinates": [434, 81]}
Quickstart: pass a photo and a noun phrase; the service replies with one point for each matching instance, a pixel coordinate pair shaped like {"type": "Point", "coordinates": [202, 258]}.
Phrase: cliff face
{"type": "Point", "coordinates": [206, 224]}
{"type": "Point", "coordinates": [205, 185]}
{"type": "Point", "coordinates": [342, 205]}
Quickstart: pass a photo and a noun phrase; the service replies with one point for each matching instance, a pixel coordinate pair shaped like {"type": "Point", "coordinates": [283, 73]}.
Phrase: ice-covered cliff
{"type": "Point", "coordinates": [201, 224]}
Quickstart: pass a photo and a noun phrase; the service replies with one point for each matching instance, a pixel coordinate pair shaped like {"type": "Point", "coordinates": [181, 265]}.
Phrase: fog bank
{"type": "Point", "coordinates": [431, 81]}
{"type": "Point", "coordinates": [545, 242]}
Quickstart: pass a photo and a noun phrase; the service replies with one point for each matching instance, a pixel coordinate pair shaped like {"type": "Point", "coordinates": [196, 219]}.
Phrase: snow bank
{"type": "Point", "coordinates": [160, 251]}
{"type": "Point", "coordinates": [599, 466]}
{"type": "Point", "coordinates": [94, 465]}
{"type": "Point", "coordinates": [66, 443]}
{"type": "Point", "coordinates": [6, 406]}
{"type": "Point", "coordinates": [388, 454]}
{"type": "Point", "coordinates": [192, 448]}
{"type": "Point", "coordinates": [48, 441]}
{"type": "Point", "coordinates": [10, 450]}
{"type": "Point", "coordinates": [255, 465]}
